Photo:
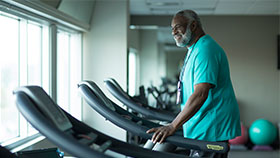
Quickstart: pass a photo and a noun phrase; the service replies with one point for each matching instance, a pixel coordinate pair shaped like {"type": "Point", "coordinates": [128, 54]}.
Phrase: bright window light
{"type": "Point", "coordinates": [63, 44]}
{"type": "Point", "coordinates": [25, 60]}
{"type": "Point", "coordinates": [132, 61]}
{"type": "Point", "coordinates": [9, 39]}
{"type": "Point", "coordinates": [21, 59]}
{"type": "Point", "coordinates": [69, 72]}
{"type": "Point", "coordinates": [34, 47]}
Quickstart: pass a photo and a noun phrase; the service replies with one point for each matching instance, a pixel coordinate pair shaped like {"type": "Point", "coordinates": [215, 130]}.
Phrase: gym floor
{"type": "Point", "coordinates": [254, 154]}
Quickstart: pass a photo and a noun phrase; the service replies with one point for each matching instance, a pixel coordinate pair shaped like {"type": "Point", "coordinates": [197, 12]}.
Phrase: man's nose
{"type": "Point", "coordinates": [174, 32]}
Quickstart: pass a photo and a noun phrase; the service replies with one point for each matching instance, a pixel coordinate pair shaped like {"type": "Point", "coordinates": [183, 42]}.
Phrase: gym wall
{"type": "Point", "coordinates": [251, 46]}
{"type": "Point", "coordinates": [148, 58]}
{"type": "Point", "coordinates": [105, 55]}
{"type": "Point", "coordinates": [250, 43]}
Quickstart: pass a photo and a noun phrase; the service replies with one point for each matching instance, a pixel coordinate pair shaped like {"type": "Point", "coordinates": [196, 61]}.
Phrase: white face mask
{"type": "Point", "coordinates": [186, 38]}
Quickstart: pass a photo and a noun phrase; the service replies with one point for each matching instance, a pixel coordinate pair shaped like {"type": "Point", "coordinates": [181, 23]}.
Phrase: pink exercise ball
{"type": "Point", "coordinates": [240, 139]}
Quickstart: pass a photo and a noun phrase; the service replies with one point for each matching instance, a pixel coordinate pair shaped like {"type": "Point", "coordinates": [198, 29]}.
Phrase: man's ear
{"type": "Point", "coordinates": [193, 26]}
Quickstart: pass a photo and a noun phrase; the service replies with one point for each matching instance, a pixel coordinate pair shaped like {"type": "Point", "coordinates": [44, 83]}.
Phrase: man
{"type": "Point", "coordinates": [209, 110]}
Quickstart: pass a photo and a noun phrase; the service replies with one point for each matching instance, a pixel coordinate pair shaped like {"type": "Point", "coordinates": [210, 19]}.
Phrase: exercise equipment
{"type": "Point", "coordinates": [165, 95]}
{"type": "Point", "coordinates": [108, 109]}
{"type": "Point", "coordinates": [41, 153]}
{"type": "Point", "coordinates": [241, 139]}
{"type": "Point", "coordinates": [148, 111]}
{"type": "Point", "coordinates": [262, 132]}
{"type": "Point", "coordinates": [141, 98]}
{"type": "Point", "coordinates": [38, 153]}
{"type": "Point", "coordinates": [262, 148]}
{"type": "Point", "coordinates": [70, 134]}
{"type": "Point", "coordinates": [163, 98]}
{"type": "Point", "coordinates": [5, 153]}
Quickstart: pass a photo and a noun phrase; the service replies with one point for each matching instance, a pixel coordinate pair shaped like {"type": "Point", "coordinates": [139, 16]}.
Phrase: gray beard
{"type": "Point", "coordinates": [187, 38]}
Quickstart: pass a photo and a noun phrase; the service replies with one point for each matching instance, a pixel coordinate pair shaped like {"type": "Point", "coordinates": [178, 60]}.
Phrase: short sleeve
{"type": "Point", "coordinates": [206, 68]}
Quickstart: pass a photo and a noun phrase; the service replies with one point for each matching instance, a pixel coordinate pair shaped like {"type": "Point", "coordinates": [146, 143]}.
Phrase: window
{"type": "Point", "coordinates": [24, 61]}
{"type": "Point", "coordinates": [132, 71]}
{"type": "Point", "coordinates": [9, 76]}
{"type": "Point", "coordinates": [69, 71]}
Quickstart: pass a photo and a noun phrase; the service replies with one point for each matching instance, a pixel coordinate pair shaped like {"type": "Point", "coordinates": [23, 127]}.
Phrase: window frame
{"type": "Point", "coordinates": [53, 23]}
{"type": "Point", "coordinates": [23, 128]}
{"type": "Point", "coordinates": [69, 104]}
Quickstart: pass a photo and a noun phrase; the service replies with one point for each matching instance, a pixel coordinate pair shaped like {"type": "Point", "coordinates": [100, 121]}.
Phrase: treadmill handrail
{"type": "Point", "coordinates": [38, 120]}
{"type": "Point", "coordinates": [115, 89]}
{"type": "Point", "coordinates": [41, 100]}
{"type": "Point", "coordinates": [44, 126]}
{"type": "Point", "coordinates": [116, 108]}
{"type": "Point", "coordinates": [97, 104]}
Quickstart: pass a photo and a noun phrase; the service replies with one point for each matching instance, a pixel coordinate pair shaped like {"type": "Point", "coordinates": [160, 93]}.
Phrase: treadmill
{"type": "Point", "coordinates": [70, 134]}
{"type": "Point", "coordinates": [5, 153]}
{"type": "Point", "coordinates": [146, 110]}
{"type": "Point", "coordinates": [107, 108]}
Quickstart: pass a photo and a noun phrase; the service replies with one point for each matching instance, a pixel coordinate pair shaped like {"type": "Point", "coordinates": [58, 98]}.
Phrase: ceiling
{"type": "Point", "coordinates": [205, 7]}
{"type": "Point", "coordinates": [201, 7]}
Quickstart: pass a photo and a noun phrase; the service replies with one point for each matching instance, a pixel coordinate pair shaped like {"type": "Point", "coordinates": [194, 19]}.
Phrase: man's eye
{"type": "Point", "coordinates": [176, 27]}
{"type": "Point", "coordinates": [179, 26]}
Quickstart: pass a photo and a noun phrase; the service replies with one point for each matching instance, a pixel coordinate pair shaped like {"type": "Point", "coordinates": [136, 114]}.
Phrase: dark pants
{"type": "Point", "coordinates": [200, 154]}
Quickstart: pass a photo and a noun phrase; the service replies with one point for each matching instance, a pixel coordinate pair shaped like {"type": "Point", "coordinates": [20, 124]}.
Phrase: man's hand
{"type": "Point", "coordinates": [160, 133]}
{"type": "Point", "coordinates": [194, 103]}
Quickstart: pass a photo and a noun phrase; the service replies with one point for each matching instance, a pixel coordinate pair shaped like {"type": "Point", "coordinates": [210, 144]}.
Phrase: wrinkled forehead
{"type": "Point", "coordinates": [179, 20]}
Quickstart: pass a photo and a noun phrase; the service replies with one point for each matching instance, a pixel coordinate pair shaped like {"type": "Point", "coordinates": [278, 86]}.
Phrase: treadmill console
{"type": "Point", "coordinates": [47, 106]}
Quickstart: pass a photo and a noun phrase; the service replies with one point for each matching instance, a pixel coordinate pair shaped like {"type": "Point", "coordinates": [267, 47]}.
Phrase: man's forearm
{"type": "Point", "coordinates": [194, 103]}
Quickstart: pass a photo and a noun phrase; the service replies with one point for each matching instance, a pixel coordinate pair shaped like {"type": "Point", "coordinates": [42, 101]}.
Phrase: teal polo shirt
{"type": "Point", "coordinates": [218, 119]}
